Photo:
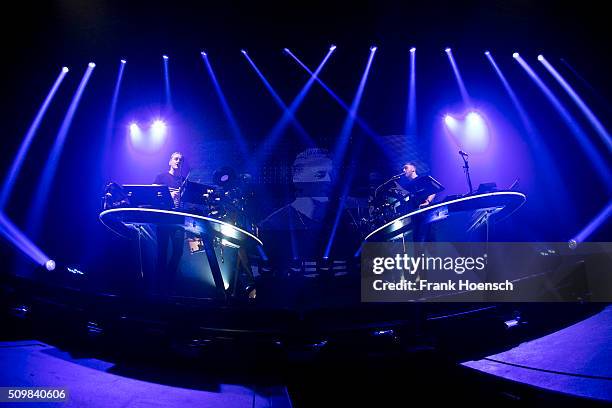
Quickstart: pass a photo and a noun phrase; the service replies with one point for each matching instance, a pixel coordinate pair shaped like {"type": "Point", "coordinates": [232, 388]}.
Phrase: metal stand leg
{"type": "Point", "coordinates": [209, 248]}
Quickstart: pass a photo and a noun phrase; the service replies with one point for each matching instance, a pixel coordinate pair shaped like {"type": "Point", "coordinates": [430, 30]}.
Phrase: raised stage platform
{"type": "Point", "coordinates": [575, 361]}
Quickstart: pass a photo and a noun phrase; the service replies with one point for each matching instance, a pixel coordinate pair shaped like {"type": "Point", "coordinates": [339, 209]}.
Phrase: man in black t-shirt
{"type": "Point", "coordinates": [173, 178]}
{"type": "Point", "coordinates": [167, 269]}
{"type": "Point", "coordinates": [402, 187]}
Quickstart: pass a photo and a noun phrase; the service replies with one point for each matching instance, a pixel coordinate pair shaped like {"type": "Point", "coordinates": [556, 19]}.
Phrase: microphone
{"type": "Point", "coordinates": [462, 153]}
{"type": "Point", "coordinates": [397, 176]}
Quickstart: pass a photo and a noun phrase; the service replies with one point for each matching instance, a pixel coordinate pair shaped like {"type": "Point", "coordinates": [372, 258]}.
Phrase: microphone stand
{"type": "Point", "coordinates": [466, 170]}
{"type": "Point", "coordinates": [396, 177]}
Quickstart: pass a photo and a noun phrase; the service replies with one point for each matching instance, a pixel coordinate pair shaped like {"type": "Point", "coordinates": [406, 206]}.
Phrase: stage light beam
{"type": "Point", "coordinates": [167, 82]}
{"type": "Point", "coordinates": [360, 122]}
{"type": "Point", "coordinates": [302, 132]}
{"type": "Point", "coordinates": [349, 122]}
{"type": "Point", "coordinates": [236, 132]}
{"type": "Point", "coordinates": [464, 94]}
{"type": "Point", "coordinates": [599, 220]}
{"type": "Point", "coordinates": [590, 150]}
{"type": "Point", "coordinates": [20, 241]}
{"type": "Point", "coordinates": [282, 123]}
{"type": "Point", "coordinates": [11, 177]}
{"type": "Point", "coordinates": [597, 125]}
{"type": "Point", "coordinates": [341, 145]}
{"type": "Point", "coordinates": [410, 127]}
{"type": "Point", "coordinates": [48, 173]}
{"type": "Point", "coordinates": [110, 121]}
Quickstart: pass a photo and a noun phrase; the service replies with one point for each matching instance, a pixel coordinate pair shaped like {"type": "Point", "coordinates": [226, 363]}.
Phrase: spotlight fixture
{"type": "Point", "coordinates": [203, 53]}
{"type": "Point", "coordinates": [540, 57]}
{"type": "Point", "coordinates": [158, 126]}
{"type": "Point", "coordinates": [373, 48]}
{"type": "Point", "coordinates": [447, 50]}
{"type": "Point", "coordinates": [332, 47]}
{"type": "Point", "coordinates": [92, 65]}
{"type": "Point", "coordinates": [243, 51]}
{"type": "Point", "coordinates": [165, 57]}
{"type": "Point", "coordinates": [487, 53]}
{"type": "Point", "coordinates": [50, 265]}
{"type": "Point", "coordinates": [123, 61]}
{"type": "Point", "coordinates": [65, 69]}
{"type": "Point", "coordinates": [412, 49]}
{"type": "Point", "coordinates": [515, 55]}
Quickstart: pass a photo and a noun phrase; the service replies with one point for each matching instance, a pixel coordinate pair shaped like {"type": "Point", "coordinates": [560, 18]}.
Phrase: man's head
{"type": "Point", "coordinates": [409, 170]}
{"type": "Point", "coordinates": [313, 173]}
{"type": "Point", "coordinates": [176, 161]}
{"type": "Point", "coordinates": [312, 165]}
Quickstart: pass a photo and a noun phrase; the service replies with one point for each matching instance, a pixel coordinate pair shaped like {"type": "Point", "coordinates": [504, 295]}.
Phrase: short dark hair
{"type": "Point", "coordinates": [413, 164]}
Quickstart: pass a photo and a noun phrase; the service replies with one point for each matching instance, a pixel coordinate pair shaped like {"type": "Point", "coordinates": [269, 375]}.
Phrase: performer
{"type": "Point", "coordinates": [167, 270]}
{"type": "Point", "coordinates": [173, 178]}
{"type": "Point", "coordinates": [421, 231]}
{"type": "Point", "coordinates": [402, 187]}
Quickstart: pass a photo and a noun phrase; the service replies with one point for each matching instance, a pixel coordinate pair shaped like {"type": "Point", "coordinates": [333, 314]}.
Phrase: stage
{"type": "Point", "coordinates": [306, 204]}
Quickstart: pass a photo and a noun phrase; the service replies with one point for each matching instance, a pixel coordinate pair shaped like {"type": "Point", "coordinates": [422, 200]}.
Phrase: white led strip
{"type": "Point", "coordinates": [421, 210]}
{"type": "Point", "coordinates": [154, 210]}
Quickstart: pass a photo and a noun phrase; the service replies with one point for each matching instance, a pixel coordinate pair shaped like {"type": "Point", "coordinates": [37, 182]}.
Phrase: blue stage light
{"type": "Point", "coordinates": [464, 94]}
{"type": "Point", "coordinates": [600, 219]}
{"type": "Point", "coordinates": [487, 53]}
{"type": "Point", "coordinates": [11, 177]}
{"type": "Point", "coordinates": [447, 50]}
{"type": "Point", "coordinates": [17, 238]}
{"type": "Point", "coordinates": [471, 133]}
{"type": "Point", "coordinates": [595, 122]}
{"type": "Point", "coordinates": [515, 55]}
{"type": "Point", "coordinates": [449, 121]}
{"type": "Point", "coordinates": [595, 157]}
{"type": "Point", "coordinates": [165, 57]}
{"type": "Point", "coordinates": [341, 145]}
{"type": "Point", "coordinates": [302, 132]}
{"type": "Point", "coordinates": [236, 132]}
{"type": "Point", "coordinates": [360, 122]}
{"type": "Point", "coordinates": [50, 265]}
{"type": "Point", "coordinates": [243, 51]}
{"type": "Point", "coordinates": [332, 47]}
{"type": "Point", "coordinates": [410, 127]}
{"type": "Point", "coordinates": [278, 129]}
{"type": "Point", "coordinates": [373, 48]}
{"type": "Point", "coordinates": [44, 186]}
{"type": "Point", "coordinates": [110, 121]}
{"type": "Point", "coordinates": [158, 127]}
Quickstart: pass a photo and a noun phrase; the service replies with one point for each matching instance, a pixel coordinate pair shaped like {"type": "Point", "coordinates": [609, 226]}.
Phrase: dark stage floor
{"type": "Point", "coordinates": [576, 360]}
{"type": "Point", "coordinates": [568, 367]}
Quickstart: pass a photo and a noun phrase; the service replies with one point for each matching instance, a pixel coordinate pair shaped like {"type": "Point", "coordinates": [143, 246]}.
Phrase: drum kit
{"type": "Point", "coordinates": [389, 200]}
